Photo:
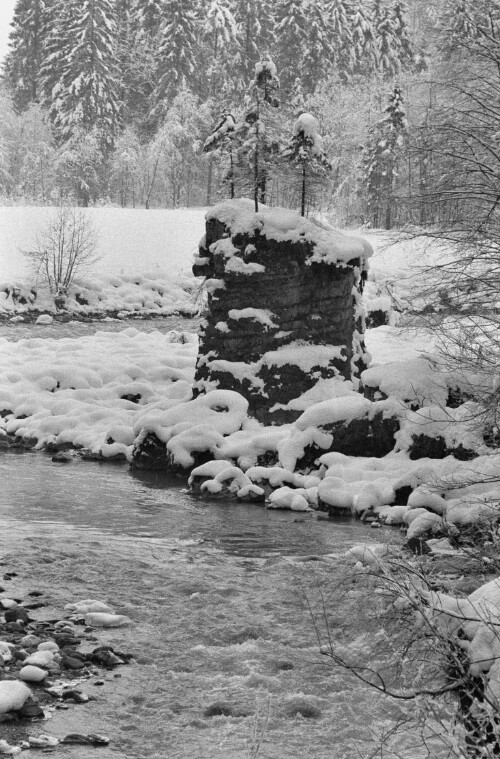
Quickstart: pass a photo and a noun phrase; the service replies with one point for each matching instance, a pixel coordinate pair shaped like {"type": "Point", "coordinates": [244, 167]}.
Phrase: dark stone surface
{"type": "Point", "coordinates": [150, 453]}
{"type": "Point", "coordinates": [424, 446]}
{"type": "Point", "coordinates": [359, 437]}
{"type": "Point", "coordinates": [311, 302]}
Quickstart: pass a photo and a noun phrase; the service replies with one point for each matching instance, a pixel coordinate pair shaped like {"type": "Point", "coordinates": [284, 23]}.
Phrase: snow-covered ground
{"type": "Point", "coordinates": [107, 391]}
{"type": "Point", "coordinates": [129, 240]}
{"type": "Point", "coordinates": [146, 258]}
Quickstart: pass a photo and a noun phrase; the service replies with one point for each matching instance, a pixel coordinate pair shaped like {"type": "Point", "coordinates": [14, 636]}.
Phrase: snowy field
{"type": "Point", "coordinates": [130, 240]}
{"type": "Point", "coordinates": [146, 258]}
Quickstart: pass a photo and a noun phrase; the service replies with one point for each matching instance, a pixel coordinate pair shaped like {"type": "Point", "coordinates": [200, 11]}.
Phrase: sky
{"type": "Point", "coordinates": [6, 13]}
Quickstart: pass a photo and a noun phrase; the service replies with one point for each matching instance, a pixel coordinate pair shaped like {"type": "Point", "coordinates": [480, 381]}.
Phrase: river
{"type": "Point", "coordinates": [225, 600]}
{"type": "Point", "coordinates": [218, 594]}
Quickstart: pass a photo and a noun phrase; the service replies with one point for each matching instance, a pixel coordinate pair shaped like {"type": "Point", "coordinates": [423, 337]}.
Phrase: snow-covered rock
{"type": "Point", "coordinates": [45, 319]}
{"type": "Point", "coordinates": [101, 619]}
{"type": "Point", "coordinates": [88, 605]}
{"type": "Point", "coordinates": [370, 554]}
{"type": "Point", "coordinates": [41, 658]}
{"type": "Point", "coordinates": [32, 674]}
{"type": "Point", "coordinates": [289, 498]}
{"type": "Point", "coordinates": [13, 695]}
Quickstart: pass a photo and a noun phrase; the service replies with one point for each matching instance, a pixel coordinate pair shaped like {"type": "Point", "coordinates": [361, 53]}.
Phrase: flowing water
{"type": "Point", "coordinates": [226, 602]}
{"type": "Point", "coordinates": [219, 598]}
{"type": "Point", "coordinates": [57, 330]}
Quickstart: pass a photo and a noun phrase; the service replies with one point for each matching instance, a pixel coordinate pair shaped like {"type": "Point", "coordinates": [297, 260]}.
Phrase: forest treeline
{"type": "Point", "coordinates": [113, 100]}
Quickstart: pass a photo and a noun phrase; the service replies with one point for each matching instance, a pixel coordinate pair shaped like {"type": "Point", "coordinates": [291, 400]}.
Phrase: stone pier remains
{"type": "Point", "coordinates": [284, 308]}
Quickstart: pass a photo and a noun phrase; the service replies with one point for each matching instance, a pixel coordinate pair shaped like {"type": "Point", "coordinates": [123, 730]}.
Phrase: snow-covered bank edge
{"type": "Point", "coordinates": [110, 394]}
{"type": "Point", "coordinates": [145, 295]}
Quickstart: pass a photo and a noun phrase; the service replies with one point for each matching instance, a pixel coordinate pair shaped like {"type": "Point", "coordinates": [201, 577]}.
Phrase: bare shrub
{"type": "Point", "coordinates": [417, 653]}
{"type": "Point", "coordinates": [63, 250]}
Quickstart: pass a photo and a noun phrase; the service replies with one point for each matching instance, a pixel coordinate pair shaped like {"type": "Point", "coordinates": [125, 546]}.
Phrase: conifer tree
{"type": "Point", "coordinates": [364, 43]}
{"type": "Point", "coordinates": [125, 166]}
{"type": "Point", "coordinates": [22, 67]}
{"type": "Point", "coordinates": [255, 21]}
{"type": "Point", "coordinates": [147, 16]}
{"type": "Point", "coordinates": [79, 166]}
{"type": "Point", "coordinates": [221, 142]}
{"type": "Point", "coordinates": [380, 165]}
{"type": "Point", "coordinates": [389, 63]}
{"type": "Point", "coordinates": [86, 97]}
{"type": "Point", "coordinates": [177, 50]}
{"type": "Point", "coordinates": [462, 21]}
{"type": "Point", "coordinates": [219, 26]}
{"type": "Point", "coordinates": [57, 17]}
{"type": "Point", "coordinates": [257, 146]}
{"type": "Point", "coordinates": [291, 31]}
{"type": "Point", "coordinates": [137, 46]}
{"type": "Point", "coordinates": [319, 49]}
{"type": "Point", "coordinates": [403, 41]}
{"type": "Point", "coordinates": [220, 33]}
{"type": "Point", "coordinates": [305, 151]}
{"type": "Point", "coordinates": [338, 31]}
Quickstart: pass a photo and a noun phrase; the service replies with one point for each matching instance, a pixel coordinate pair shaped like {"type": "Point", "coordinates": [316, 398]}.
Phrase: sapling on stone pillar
{"type": "Point", "coordinates": [256, 143]}
{"type": "Point", "coordinates": [305, 150]}
{"type": "Point", "coordinates": [220, 141]}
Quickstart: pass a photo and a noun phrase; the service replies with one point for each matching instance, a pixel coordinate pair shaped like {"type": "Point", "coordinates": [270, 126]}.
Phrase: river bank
{"type": "Point", "coordinates": [218, 596]}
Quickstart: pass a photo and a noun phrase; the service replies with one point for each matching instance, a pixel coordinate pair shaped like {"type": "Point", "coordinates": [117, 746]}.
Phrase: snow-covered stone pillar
{"type": "Point", "coordinates": [284, 307]}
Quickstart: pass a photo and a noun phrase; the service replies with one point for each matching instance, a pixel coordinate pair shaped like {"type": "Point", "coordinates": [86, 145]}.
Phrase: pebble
{"type": "Point", "coordinates": [41, 659]}
{"type": "Point", "coordinates": [16, 614]}
{"type": "Point", "coordinates": [6, 748]}
{"type": "Point", "coordinates": [5, 651]}
{"type": "Point", "coordinates": [48, 645]}
{"type": "Point", "coordinates": [31, 674]}
{"type": "Point", "coordinates": [100, 619]}
{"type": "Point", "coordinates": [61, 458]}
{"type": "Point", "coordinates": [31, 709]}
{"type": "Point", "coordinates": [78, 696]}
{"type": "Point", "coordinates": [19, 653]}
{"type": "Point", "coordinates": [43, 647]}
{"type": "Point", "coordinates": [45, 319]}
{"type": "Point", "coordinates": [63, 640]}
{"type": "Point", "coordinates": [42, 741]}
{"type": "Point", "coordinates": [13, 695]}
{"type": "Point", "coordinates": [91, 739]}
{"type": "Point", "coordinates": [30, 641]}
{"type": "Point", "coordinates": [64, 626]}
{"type": "Point", "coordinates": [7, 603]}
{"type": "Point", "coordinates": [16, 627]}
{"type": "Point", "coordinates": [90, 605]}
{"type": "Point", "coordinates": [105, 657]}
{"type": "Point", "coordinates": [71, 662]}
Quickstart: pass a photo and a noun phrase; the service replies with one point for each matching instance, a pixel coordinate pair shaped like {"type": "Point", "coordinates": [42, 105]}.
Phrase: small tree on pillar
{"type": "Point", "coordinates": [305, 151]}
{"type": "Point", "coordinates": [221, 142]}
{"type": "Point", "coordinates": [256, 142]}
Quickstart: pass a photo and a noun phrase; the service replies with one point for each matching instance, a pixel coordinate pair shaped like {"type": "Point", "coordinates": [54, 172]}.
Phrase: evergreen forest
{"type": "Point", "coordinates": [158, 104]}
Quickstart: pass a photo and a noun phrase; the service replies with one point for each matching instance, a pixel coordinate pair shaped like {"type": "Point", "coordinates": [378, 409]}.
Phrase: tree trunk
{"type": "Point", "coordinates": [303, 195]}
{"type": "Point", "coordinates": [209, 181]}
